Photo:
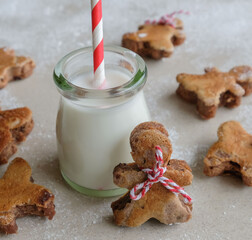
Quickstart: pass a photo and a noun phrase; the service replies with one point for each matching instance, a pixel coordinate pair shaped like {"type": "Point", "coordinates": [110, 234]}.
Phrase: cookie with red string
{"type": "Point", "coordinates": [156, 39]}
{"type": "Point", "coordinates": [154, 180]}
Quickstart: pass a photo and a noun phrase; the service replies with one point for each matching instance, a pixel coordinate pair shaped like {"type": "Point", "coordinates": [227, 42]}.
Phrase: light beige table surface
{"type": "Point", "coordinates": [218, 33]}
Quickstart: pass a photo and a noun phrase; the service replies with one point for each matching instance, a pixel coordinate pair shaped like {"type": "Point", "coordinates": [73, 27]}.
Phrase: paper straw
{"type": "Point", "coordinates": [98, 49]}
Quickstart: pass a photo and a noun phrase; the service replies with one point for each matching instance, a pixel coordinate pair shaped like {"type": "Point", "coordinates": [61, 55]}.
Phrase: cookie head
{"type": "Point", "coordinates": [242, 73]}
{"type": "Point", "coordinates": [143, 140]}
{"type": "Point", "coordinates": [231, 154]}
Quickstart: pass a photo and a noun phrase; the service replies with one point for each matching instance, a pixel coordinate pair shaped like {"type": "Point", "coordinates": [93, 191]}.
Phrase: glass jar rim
{"type": "Point", "coordinates": [71, 91]}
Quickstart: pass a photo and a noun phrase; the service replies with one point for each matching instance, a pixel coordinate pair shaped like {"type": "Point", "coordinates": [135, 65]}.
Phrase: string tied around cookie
{"type": "Point", "coordinates": [168, 19]}
{"type": "Point", "coordinates": [155, 175]}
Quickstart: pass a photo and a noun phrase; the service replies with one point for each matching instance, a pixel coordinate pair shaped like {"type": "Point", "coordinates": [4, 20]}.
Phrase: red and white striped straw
{"type": "Point", "coordinates": [98, 49]}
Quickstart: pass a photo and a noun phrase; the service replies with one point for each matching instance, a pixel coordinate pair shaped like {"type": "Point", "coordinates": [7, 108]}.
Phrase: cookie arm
{"type": "Point", "coordinates": [128, 175]}
{"type": "Point", "coordinates": [178, 38]}
{"type": "Point", "coordinates": [179, 171]}
{"type": "Point", "coordinates": [211, 69]}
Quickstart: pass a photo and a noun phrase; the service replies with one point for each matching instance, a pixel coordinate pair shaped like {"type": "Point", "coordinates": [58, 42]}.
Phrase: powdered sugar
{"type": "Point", "coordinates": [8, 101]}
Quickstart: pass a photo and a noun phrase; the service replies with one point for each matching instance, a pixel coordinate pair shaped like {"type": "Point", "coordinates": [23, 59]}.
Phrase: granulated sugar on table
{"type": "Point", "coordinates": [218, 33]}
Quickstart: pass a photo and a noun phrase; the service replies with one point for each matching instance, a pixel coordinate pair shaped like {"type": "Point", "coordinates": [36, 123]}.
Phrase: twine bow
{"type": "Point", "coordinates": [168, 19]}
{"type": "Point", "coordinates": [155, 175]}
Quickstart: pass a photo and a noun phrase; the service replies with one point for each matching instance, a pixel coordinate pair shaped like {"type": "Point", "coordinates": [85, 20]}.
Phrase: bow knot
{"type": "Point", "coordinates": [168, 19]}
{"type": "Point", "coordinates": [155, 175]}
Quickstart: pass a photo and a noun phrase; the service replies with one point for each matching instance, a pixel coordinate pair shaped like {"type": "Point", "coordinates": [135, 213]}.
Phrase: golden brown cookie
{"type": "Point", "coordinates": [14, 67]}
{"type": "Point", "coordinates": [210, 90]}
{"type": "Point", "coordinates": [21, 197]}
{"type": "Point", "coordinates": [15, 125]}
{"type": "Point", "coordinates": [231, 154]}
{"type": "Point", "coordinates": [143, 140]}
{"type": "Point", "coordinates": [155, 40]}
{"type": "Point", "coordinates": [158, 202]}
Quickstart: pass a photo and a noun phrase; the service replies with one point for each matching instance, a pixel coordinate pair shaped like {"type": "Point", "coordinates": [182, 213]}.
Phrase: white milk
{"type": "Point", "coordinates": [92, 141]}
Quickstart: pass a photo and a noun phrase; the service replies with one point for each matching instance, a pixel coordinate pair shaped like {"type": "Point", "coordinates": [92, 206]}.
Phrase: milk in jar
{"type": "Point", "coordinates": [93, 126]}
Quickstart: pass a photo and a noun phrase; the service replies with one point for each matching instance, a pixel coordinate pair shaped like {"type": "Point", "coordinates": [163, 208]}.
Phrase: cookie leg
{"type": "Point", "coordinates": [122, 209]}
{"type": "Point", "coordinates": [214, 165]}
{"type": "Point", "coordinates": [20, 134]}
{"type": "Point", "coordinates": [229, 100]}
{"type": "Point", "coordinates": [178, 38]}
{"type": "Point", "coordinates": [4, 80]}
{"type": "Point", "coordinates": [132, 45]}
{"type": "Point", "coordinates": [247, 86]}
{"type": "Point", "coordinates": [205, 111]}
{"type": "Point", "coordinates": [24, 70]}
{"type": "Point", "coordinates": [11, 226]}
{"type": "Point", "coordinates": [247, 177]}
{"type": "Point", "coordinates": [7, 152]}
{"type": "Point", "coordinates": [186, 95]}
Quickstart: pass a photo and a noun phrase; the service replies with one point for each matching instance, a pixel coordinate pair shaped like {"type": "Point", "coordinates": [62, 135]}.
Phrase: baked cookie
{"type": "Point", "coordinates": [155, 40]}
{"type": "Point", "coordinates": [15, 125]}
{"type": "Point", "coordinates": [158, 202]}
{"type": "Point", "coordinates": [231, 154]}
{"type": "Point", "coordinates": [243, 75]}
{"type": "Point", "coordinates": [210, 91]}
{"type": "Point", "coordinates": [14, 67]}
{"type": "Point", "coordinates": [21, 197]}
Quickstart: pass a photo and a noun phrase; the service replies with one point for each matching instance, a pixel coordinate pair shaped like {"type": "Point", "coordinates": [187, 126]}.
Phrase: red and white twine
{"type": "Point", "coordinates": [168, 19]}
{"type": "Point", "coordinates": [98, 49]}
{"type": "Point", "coordinates": [155, 175]}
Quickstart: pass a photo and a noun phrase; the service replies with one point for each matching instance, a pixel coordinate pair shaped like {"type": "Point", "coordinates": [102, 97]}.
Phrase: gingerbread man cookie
{"type": "Point", "coordinates": [155, 40]}
{"type": "Point", "coordinates": [14, 67]}
{"type": "Point", "coordinates": [210, 90]}
{"type": "Point", "coordinates": [21, 197]}
{"type": "Point", "coordinates": [231, 154]}
{"type": "Point", "coordinates": [15, 125]}
{"type": "Point", "coordinates": [148, 199]}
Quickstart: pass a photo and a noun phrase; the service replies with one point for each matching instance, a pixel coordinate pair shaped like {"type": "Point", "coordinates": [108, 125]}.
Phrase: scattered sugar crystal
{"type": "Point", "coordinates": [142, 35]}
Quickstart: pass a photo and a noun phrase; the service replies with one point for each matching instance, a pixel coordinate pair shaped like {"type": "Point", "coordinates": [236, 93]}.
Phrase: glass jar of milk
{"type": "Point", "coordinates": [93, 125]}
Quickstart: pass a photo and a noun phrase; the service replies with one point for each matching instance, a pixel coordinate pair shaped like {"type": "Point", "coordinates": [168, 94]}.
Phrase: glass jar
{"type": "Point", "coordinates": [93, 126]}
